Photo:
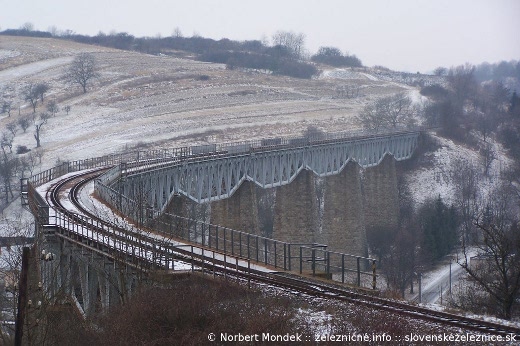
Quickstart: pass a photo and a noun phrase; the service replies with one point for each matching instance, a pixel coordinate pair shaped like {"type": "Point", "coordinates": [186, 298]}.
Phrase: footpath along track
{"type": "Point", "coordinates": [285, 280]}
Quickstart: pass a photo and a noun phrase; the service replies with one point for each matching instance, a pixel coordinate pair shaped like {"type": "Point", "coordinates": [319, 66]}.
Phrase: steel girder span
{"type": "Point", "coordinates": [217, 178]}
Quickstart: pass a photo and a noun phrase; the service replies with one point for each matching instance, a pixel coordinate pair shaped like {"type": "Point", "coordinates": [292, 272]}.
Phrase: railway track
{"type": "Point", "coordinates": [288, 281]}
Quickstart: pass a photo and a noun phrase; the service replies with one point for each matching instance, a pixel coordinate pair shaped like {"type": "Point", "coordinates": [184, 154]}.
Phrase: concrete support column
{"type": "Point", "coordinates": [104, 288]}
{"type": "Point", "coordinates": [50, 266]}
{"type": "Point", "coordinates": [65, 270]}
{"type": "Point", "coordinates": [343, 219]}
{"type": "Point", "coordinates": [296, 213]}
{"type": "Point", "coordinates": [115, 290]}
{"type": "Point", "coordinates": [89, 285]}
{"type": "Point", "coordinates": [380, 195]}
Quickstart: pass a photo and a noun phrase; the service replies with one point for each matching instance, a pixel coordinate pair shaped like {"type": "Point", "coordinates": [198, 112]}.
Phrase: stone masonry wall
{"type": "Point", "coordinates": [380, 195]}
{"type": "Point", "coordinates": [296, 210]}
{"type": "Point", "coordinates": [343, 218]}
{"type": "Point", "coordinates": [239, 212]}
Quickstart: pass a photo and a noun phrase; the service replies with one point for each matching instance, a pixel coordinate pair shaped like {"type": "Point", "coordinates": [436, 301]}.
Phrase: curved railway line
{"type": "Point", "coordinates": [308, 286]}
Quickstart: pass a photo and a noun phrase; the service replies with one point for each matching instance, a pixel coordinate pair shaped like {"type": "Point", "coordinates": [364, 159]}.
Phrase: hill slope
{"type": "Point", "coordinates": [144, 99]}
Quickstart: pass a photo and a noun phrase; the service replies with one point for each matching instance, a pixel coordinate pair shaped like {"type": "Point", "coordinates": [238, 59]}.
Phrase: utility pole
{"type": "Point", "coordinates": [450, 277]}
{"type": "Point", "coordinates": [420, 288]}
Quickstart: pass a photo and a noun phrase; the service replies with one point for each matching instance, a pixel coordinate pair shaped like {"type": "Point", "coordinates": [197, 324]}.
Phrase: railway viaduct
{"type": "Point", "coordinates": [326, 190]}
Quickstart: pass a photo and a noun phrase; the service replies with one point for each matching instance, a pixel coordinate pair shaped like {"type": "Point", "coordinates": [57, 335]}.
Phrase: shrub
{"type": "Point", "coordinates": [435, 91]}
{"type": "Point", "coordinates": [22, 149]}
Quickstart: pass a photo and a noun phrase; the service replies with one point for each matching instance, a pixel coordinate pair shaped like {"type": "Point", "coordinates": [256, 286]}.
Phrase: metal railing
{"type": "Point", "coordinates": [302, 258]}
{"type": "Point", "coordinates": [149, 253]}
{"type": "Point", "coordinates": [355, 270]}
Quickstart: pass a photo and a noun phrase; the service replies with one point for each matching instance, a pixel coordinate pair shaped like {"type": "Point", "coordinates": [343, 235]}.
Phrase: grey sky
{"type": "Point", "coordinates": [410, 35]}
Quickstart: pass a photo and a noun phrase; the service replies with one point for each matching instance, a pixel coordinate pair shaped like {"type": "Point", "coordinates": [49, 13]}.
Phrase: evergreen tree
{"type": "Point", "coordinates": [439, 226]}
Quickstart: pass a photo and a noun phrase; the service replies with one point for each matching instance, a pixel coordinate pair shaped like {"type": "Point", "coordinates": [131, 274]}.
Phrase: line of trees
{"type": "Point", "coordinates": [21, 163]}
{"type": "Point", "coordinates": [490, 72]}
{"type": "Point", "coordinates": [285, 56]}
{"type": "Point", "coordinates": [490, 235]}
{"type": "Point", "coordinates": [475, 107]}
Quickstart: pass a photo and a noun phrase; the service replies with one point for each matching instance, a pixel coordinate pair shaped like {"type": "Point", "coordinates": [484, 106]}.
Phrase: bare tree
{"type": "Point", "coordinates": [53, 29]}
{"type": "Point", "coordinates": [497, 270]}
{"type": "Point", "coordinates": [53, 108]}
{"type": "Point", "coordinates": [82, 70]}
{"type": "Point", "coordinates": [399, 110]}
{"type": "Point", "coordinates": [370, 118]}
{"type": "Point", "coordinates": [18, 227]}
{"type": "Point", "coordinates": [400, 263]}
{"type": "Point", "coordinates": [38, 127]}
{"type": "Point", "coordinates": [27, 26]}
{"type": "Point", "coordinates": [512, 177]}
{"type": "Point", "coordinates": [466, 180]}
{"type": "Point", "coordinates": [487, 157]}
{"type": "Point", "coordinates": [462, 82]}
{"type": "Point", "coordinates": [7, 142]}
{"type": "Point", "coordinates": [8, 169]}
{"type": "Point", "coordinates": [28, 163]}
{"type": "Point", "coordinates": [12, 127]}
{"type": "Point", "coordinates": [39, 153]}
{"type": "Point", "coordinates": [485, 126]}
{"type": "Point", "coordinates": [67, 109]}
{"type": "Point", "coordinates": [41, 89]}
{"type": "Point", "coordinates": [440, 71]}
{"type": "Point", "coordinates": [30, 93]}
{"type": "Point", "coordinates": [388, 112]}
{"type": "Point", "coordinates": [292, 41]}
{"type": "Point", "coordinates": [177, 32]}
{"type": "Point", "coordinates": [6, 108]}
{"type": "Point", "coordinates": [24, 123]}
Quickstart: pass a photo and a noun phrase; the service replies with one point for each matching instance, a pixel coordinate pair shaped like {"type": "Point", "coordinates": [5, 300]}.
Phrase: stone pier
{"type": "Point", "coordinates": [380, 195]}
{"type": "Point", "coordinates": [296, 210]}
{"type": "Point", "coordinates": [239, 212]}
{"type": "Point", "coordinates": [187, 210]}
{"type": "Point", "coordinates": [343, 218]}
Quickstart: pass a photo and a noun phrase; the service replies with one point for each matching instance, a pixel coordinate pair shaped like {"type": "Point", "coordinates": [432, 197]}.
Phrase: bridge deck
{"type": "Point", "coordinates": [140, 244]}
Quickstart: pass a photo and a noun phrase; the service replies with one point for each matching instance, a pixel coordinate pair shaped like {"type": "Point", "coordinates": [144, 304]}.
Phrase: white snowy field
{"type": "Point", "coordinates": [163, 101]}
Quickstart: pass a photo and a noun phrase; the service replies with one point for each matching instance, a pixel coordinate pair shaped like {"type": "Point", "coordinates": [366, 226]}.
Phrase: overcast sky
{"type": "Point", "coordinates": [407, 35]}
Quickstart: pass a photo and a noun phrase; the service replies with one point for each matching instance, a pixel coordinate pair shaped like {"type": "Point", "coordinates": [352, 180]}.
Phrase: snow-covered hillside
{"type": "Point", "coordinates": [436, 177]}
{"type": "Point", "coordinates": [142, 99]}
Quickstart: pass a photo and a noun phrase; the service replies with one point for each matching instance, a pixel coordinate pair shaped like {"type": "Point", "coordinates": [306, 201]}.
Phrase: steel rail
{"type": "Point", "coordinates": [311, 287]}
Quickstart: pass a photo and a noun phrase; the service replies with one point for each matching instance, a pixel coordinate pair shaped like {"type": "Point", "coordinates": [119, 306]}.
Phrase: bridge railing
{"type": "Point", "coordinates": [272, 252]}
{"type": "Point", "coordinates": [152, 157]}
{"type": "Point", "coordinates": [134, 248]}
{"type": "Point", "coordinates": [234, 243]}
{"type": "Point", "coordinates": [308, 258]}
{"type": "Point", "coordinates": [95, 162]}
{"type": "Point", "coordinates": [354, 270]}
{"type": "Point", "coordinates": [263, 250]}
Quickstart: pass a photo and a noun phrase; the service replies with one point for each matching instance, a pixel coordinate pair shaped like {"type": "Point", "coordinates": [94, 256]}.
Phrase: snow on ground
{"type": "Point", "coordinates": [6, 54]}
{"type": "Point", "coordinates": [344, 73]}
{"type": "Point", "coordinates": [34, 68]}
{"type": "Point", "coordinates": [159, 101]}
{"type": "Point", "coordinates": [436, 179]}
{"type": "Point", "coordinates": [433, 280]}
{"type": "Point", "coordinates": [162, 101]}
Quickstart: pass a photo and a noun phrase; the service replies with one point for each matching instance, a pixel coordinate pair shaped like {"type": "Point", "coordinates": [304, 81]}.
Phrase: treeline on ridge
{"type": "Point", "coordinates": [283, 58]}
